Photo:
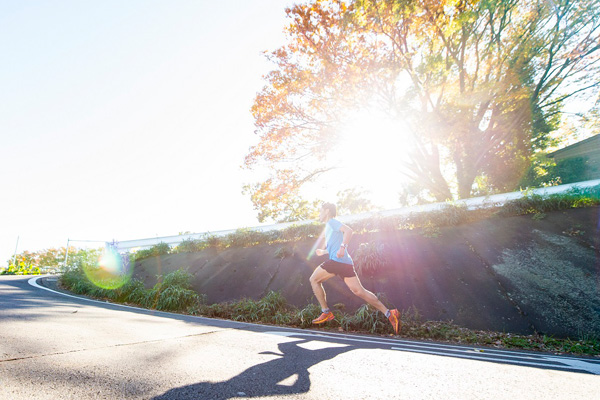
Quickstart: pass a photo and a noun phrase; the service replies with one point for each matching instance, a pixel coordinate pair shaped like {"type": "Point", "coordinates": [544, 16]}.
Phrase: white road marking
{"type": "Point", "coordinates": [554, 362]}
{"type": "Point", "coordinates": [449, 350]}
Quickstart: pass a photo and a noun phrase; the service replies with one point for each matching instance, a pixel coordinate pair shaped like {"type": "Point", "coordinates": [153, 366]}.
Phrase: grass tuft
{"type": "Point", "coordinates": [174, 293]}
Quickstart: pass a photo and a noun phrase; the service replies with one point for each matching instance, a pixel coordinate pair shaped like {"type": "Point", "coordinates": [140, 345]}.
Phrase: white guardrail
{"type": "Point", "coordinates": [472, 203]}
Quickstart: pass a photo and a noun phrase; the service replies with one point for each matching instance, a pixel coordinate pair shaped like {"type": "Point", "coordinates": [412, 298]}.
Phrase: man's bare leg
{"type": "Point", "coordinates": [357, 288]}
{"type": "Point", "coordinates": [316, 281]}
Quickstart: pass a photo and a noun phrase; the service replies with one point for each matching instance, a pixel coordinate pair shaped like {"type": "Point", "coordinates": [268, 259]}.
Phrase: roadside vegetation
{"type": "Point", "coordinates": [173, 293]}
{"type": "Point", "coordinates": [427, 223]}
{"type": "Point", "coordinates": [49, 260]}
{"type": "Point", "coordinates": [21, 269]}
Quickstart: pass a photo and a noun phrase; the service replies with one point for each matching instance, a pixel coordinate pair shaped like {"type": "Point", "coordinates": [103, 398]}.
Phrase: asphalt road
{"type": "Point", "coordinates": [58, 347]}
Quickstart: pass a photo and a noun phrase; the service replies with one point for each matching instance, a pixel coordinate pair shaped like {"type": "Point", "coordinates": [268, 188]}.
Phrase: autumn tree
{"type": "Point", "coordinates": [55, 257]}
{"type": "Point", "coordinates": [480, 84]}
{"type": "Point", "coordinates": [42, 258]}
{"type": "Point", "coordinates": [278, 198]}
{"type": "Point", "coordinates": [353, 201]}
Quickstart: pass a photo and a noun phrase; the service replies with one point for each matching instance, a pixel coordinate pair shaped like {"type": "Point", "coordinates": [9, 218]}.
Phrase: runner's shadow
{"type": "Point", "coordinates": [263, 379]}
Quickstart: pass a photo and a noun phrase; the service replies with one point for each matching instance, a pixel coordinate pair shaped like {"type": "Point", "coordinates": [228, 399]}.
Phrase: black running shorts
{"type": "Point", "coordinates": [341, 269]}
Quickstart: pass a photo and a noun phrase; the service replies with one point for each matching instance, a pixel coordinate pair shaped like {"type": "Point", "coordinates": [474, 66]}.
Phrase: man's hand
{"type": "Point", "coordinates": [321, 252]}
{"type": "Point", "coordinates": [341, 252]}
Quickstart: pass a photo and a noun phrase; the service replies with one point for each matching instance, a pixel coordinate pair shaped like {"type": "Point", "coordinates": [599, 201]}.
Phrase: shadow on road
{"type": "Point", "coordinates": [264, 379]}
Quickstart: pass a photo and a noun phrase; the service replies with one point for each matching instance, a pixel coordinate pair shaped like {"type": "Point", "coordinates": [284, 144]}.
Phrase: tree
{"type": "Point", "coordinates": [42, 258]}
{"type": "Point", "coordinates": [278, 198]}
{"type": "Point", "coordinates": [590, 120]}
{"type": "Point", "coordinates": [353, 201]}
{"type": "Point", "coordinates": [55, 257]}
{"type": "Point", "coordinates": [480, 83]}
{"type": "Point", "coordinates": [545, 171]}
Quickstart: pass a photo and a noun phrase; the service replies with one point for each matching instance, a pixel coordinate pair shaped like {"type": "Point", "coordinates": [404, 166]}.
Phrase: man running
{"type": "Point", "coordinates": [337, 237]}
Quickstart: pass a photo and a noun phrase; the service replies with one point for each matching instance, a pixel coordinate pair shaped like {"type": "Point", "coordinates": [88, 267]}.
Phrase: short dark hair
{"type": "Point", "coordinates": [331, 207]}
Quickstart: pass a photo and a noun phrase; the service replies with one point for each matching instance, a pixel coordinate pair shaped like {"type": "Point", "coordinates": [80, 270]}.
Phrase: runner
{"type": "Point", "coordinates": [337, 237]}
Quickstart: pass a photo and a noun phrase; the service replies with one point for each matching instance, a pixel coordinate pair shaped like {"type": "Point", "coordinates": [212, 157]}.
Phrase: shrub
{"type": "Point", "coordinates": [272, 308]}
{"type": "Point", "coordinates": [429, 222]}
{"type": "Point", "coordinates": [449, 215]}
{"type": "Point", "coordinates": [213, 242]}
{"type": "Point", "coordinates": [300, 232]}
{"type": "Point", "coordinates": [75, 280]}
{"type": "Point", "coordinates": [178, 278]}
{"type": "Point", "coordinates": [367, 319]}
{"type": "Point", "coordinates": [154, 251]}
{"type": "Point", "coordinates": [190, 246]}
{"type": "Point", "coordinates": [537, 204]}
{"type": "Point", "coordinates": [378, 223]}
{"type": "Point", "coordinates": [370, 258]}
{"type": "Point", "coordinates": [218, 310]}
{"type": "Point", "coordinates": [171, 293]}
{"type": "Point", "coordinates": [246, 237]}
{"type": "Point", "coordinates": [175, 298]}
{"type": "Point", "coordinates": [304, 317]}
{"type": "Point", "coordinates": [268, 309]}
{"type": "Point", "coordinates": [272, 303]}
{"type": "Point", "coordinates": [21, 269]}
{"type": "Point", "coordinates": [133, 292]}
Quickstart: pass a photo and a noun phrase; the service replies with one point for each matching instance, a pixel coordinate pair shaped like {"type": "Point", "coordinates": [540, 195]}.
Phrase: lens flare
{"type": "Point", "coordinates": [111, 271]}
{"type": "Point", "coordinates": [314, 247]}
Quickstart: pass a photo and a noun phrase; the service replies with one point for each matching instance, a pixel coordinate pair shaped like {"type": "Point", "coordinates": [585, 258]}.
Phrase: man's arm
{"type": "Point", "coordinates": [321, 247]}
{"type": "Point", "coordinates": [347, 232]}
{"type": "Point", "coordinates": [321, 252]}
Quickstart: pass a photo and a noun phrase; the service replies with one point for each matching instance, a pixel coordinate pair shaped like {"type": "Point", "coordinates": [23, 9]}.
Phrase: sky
{"type": "Point", "coordinates": [124, 120]}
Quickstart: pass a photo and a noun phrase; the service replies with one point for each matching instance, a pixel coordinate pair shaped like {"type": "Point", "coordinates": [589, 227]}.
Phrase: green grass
{"type": "Point", "coordinates": [365, 319]}
{"type": "Point", "coordinates": [154, 251]}
{"type": "Point", "coordinates": [537, 204]}
{"type": "Point", "coordinates": [173, 293]}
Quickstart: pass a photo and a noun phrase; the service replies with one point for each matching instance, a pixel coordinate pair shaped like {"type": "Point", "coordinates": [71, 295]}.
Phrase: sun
{"type": "Point", "coordinates": [369, 153]}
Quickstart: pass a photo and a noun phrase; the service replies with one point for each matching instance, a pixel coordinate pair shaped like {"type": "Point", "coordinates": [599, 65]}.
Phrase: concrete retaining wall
{"type": "Point", "coordinates": [516, 274]}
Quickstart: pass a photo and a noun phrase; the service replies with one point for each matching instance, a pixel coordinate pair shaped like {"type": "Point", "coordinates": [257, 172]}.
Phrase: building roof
{"type": "Point", "coordinates": [585, 148]}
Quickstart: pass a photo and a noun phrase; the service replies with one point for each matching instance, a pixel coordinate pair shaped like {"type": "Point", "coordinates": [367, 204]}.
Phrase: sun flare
{"type": "Point", "coordinates": [369, 154]}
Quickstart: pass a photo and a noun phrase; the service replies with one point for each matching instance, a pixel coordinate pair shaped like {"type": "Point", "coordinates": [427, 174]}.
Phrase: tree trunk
{"type": "Point", "coordinates": [465, 161]}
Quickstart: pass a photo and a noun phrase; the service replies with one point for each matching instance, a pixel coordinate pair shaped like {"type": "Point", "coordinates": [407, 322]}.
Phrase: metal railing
{"type": "Point", "coordinates": [471, 203]}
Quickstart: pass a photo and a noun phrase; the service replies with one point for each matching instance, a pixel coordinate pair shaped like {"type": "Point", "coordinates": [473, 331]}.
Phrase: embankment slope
{"type": "Point", "coordinates": [513, 274]}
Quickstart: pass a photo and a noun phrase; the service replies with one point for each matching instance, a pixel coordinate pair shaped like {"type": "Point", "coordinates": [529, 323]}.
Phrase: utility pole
{"type": "Point", "coordinates": [15, 254]}
{"type": "Point", "coordinates": [66, 254]}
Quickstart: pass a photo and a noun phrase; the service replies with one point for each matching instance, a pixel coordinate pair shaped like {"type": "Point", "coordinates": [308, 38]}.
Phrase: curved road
{"type": "Point", "coordinates": [57, 347]}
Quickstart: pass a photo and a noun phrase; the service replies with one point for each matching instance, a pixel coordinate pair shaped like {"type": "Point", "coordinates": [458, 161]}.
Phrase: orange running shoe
{"type": "Point", "coordinates": [395, 320]}
{"type": "Point", "coordinates": [328, 316]}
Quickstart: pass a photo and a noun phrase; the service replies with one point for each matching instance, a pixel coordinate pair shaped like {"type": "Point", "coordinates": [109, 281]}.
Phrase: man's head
{"type": "Point", "coordinates": [328, 211]}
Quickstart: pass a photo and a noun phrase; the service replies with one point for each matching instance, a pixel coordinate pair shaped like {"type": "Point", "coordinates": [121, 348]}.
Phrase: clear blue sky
{"type": "Point", "coordinates": [128, 119]}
